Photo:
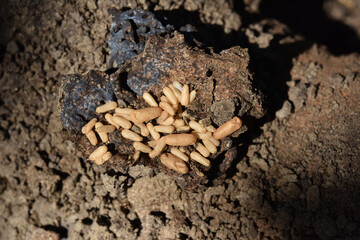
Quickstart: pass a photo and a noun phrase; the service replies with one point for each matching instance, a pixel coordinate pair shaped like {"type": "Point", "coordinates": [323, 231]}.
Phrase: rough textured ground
{"type": "Point", "coordinates": [297, 173]}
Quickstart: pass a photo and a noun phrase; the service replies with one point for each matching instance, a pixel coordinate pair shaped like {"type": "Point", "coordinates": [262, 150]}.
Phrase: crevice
{"type": "Point", "coordinates": [63, 232]}
{"type": "Point", "coordinates": [160, 215]}
{"type": "Point", "coordinates": [136, 225]}
{"type": "Point", "coordinates": [103, 220]}
{"type": "Point", "coordinates": [82, 164]}
{"type": "Point", "coordinates": [134, 28]}
{"type": "Point", "coordinates": [87, 221]}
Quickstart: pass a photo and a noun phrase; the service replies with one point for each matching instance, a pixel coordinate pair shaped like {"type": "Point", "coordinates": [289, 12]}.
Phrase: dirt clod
{"type": "Point", "coordinates": [223, 87]}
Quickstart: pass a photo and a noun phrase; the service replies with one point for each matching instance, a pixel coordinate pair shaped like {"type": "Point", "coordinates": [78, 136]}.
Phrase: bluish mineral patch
{"type": "Point", "coordinates": [128, 33]}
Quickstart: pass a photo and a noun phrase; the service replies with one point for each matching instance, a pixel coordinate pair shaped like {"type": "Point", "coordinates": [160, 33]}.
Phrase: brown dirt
{"type": "Point", "coordinates": [296, 173]}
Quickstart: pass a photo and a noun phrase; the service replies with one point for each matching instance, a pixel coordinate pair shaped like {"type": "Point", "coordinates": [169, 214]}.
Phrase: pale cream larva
{"type": "Point", "coordinates": [124, 110]}
{"type": "Point", "coordinates": [87, 128]}
{"type": "Point", "coordinates": [169, 93]}
{"type": "Point", "coordinates": [179, 123]}
{"type": "Point", "coordinates": [209, 145]}
{"type": "Point", "coordinates": [131, 135]}
{"type": "Point", "coordinates": [92, 137]}
{"type": "Point", "coordinates": [106, 107]}
{"type": "Point", "coordinates": [103, 136]}
{"type": "Point", "coordinates": [202, 149]}
{"type": "Point", "coordinates": [170, 120]}
{"type": "Point", "coordinates": [150, 100]}
{"type": "Point", "coordinates": [200, 159]}
{"type": "Point", "coordinates": [164, 115]}
{"type": "Point", "coordinates": [105, 129]}
{"type": "Point", "coordinates": [168, 108]}
{"type": "Point", "coordinates": [104, 158]}
{"type": "Point", "coordinates": [227, 128]}
{"type": "Point", "coordinates": [176, 92]}
{"type": "Point", "coordinates": [173, 162]}
{"type": "Point", "coordinates": [144, 131]}
{"type": "Point", "coordinates": [145, 114]}
{"type": "Point", "coordinates": [98, 153]}
{"type": "Point", "coordinates": [185, 95]}
{"type": "Point", "coordinates": [179, 154]}
{"type": "Point", "coordinates": [197, 126]}
{"type": "Point", "coordinates": [109, 119]}
{"type": "Point", "coordinates": [152, 131]}
{"type": "Point", "coordinates": [142, 147]}
{"type": "Point", "coordinates": [122, 122]}
{"type": "Point", "coordinates": [192, 95]}
{"type": "Point", "coordinates": [182, 139]}
{"type": "Point", "coordinates": [165, 129]}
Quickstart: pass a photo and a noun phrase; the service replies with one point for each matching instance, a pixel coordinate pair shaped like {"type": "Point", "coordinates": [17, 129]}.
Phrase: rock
{"type": "Point", "coordinates": [144, 194]}
{"type": "Point", "coordinates": [128, 33]}
{"type": "Point", "coordinates": [44, 211]}
{"type": "Point", "coordinates": [12, 47]}
{"type": "Point", "coordinates": [260, 162]}
{"type": "Point", "coordinates": [256, 35]}
{"type": "Point", "coordinates": [113, 184]}
{"type": "Point", "coordinates": [297, 95]}
{"type": "Point", "coordinates": [223, 110]}
{"type": "Point", "coordinates": [140, 171]}
{"type": "Point", "coordinates": [285, 111]}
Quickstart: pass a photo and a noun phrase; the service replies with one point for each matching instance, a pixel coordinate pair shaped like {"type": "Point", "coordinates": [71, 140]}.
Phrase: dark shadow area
{"type": "Point", "coordinates": [308, 18]}
{"type": "Point", "coordinates": [63, 232]}
{"type": "Point", "coordinates": [103, 220]}
{"type": "Point", "coordinates": [2, 53]}
{"type": "Point", "coordinates": [3, 184]}
{"type": "Point", "coordinates": [6, 21]}
{"type": "Point", "coordinates": [87, 221]}
{"type": "Point", "coordinates": [271, 68]}
{"type": "Point", "coordinates": [159, 215]}
{"type": "Point", "coordinates": [212, 36]}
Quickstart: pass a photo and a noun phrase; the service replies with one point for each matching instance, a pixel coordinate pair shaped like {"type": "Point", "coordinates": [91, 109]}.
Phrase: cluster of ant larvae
{"type": "Point", "coordinates": [162, 129]}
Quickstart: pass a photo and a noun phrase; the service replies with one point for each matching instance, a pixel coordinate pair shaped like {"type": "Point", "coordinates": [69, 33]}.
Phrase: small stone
{"type": "Point", "coordinates": [285, 111]}
{"type": "Point", "coordinates": [12, 47]}
{"type": "Point", "coordinates": [297, 95]}
{"type": "Point", "coordinates": [223, 110]}
{"type": "Point", "coordinates": [336, 80]}
{"type": "Point", "coordinates": [113, 184]}
{"type": "Point", "coordinates": [261, 163]}
{"type": "Point", "coordinates": [140, 171]}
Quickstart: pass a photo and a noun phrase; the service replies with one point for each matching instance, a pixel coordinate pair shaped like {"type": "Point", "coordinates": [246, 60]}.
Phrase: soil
{"type": "Point", "coordinates": [296, 174]}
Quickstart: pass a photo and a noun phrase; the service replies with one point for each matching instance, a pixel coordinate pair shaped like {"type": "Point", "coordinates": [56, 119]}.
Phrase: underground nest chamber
{"type": "Point", "coordinates": [160, 96]}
